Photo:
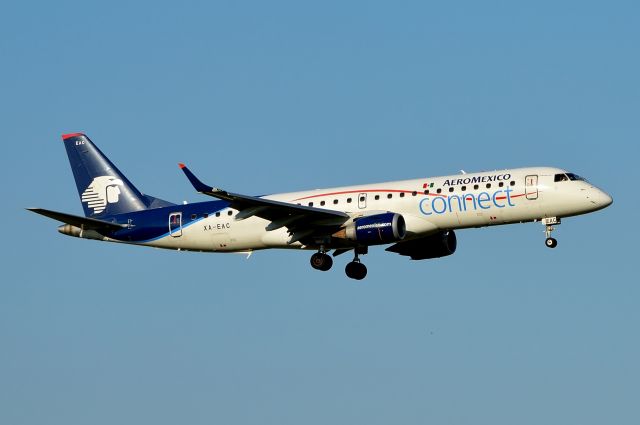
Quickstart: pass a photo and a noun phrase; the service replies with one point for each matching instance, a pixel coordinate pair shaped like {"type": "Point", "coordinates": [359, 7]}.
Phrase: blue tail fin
{"type": "Point", "coordinates": [103, 189]}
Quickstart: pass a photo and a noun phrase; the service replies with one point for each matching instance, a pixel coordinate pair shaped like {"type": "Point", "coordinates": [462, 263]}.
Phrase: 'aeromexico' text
{"type": "Point", "coordinates": [477, 179]}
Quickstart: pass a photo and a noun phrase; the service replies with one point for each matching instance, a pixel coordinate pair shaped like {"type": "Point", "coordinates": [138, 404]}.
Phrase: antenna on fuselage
{"type": "Point", "coordinates": [463, 172]}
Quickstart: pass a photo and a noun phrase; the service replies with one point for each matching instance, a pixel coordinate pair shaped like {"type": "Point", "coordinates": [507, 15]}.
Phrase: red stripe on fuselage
{"type": "Point", "coordinates": [356, 191]}
{"type": "Point", "coordinates": [393, 191]}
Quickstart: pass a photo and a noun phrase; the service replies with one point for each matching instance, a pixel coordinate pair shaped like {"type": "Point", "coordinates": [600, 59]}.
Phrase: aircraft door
{"type": "Point", "coordinates": [531, 187]}
{"type": "Point", "coordinates": [175, 224]}
{"type": "Point", "coordinates": [362, 200]}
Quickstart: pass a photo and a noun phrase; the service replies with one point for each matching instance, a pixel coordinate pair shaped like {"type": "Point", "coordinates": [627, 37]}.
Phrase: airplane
{"type": "Point", "coordinates": [417, 218]}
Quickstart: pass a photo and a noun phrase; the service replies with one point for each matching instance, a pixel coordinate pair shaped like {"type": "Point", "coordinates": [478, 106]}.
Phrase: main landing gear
{"type": "Point", "coordinates": [548, 223]}
{"type": "Point", "coordinates": [321, 261]}
{"type": "Point", "coordinates": [355, 269]}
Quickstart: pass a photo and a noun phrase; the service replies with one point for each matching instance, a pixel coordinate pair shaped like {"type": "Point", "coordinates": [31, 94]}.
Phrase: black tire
{"type": "Point", "coordinates": [328, 262]}
{"type": "Point", "coordinates": [551, 243]}
{"type": "Point", "coordinates": [356, 270]}
{"type": "Point", "coordinates": [320, 261]}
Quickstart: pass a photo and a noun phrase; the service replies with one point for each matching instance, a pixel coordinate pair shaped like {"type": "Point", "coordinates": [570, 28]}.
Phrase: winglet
{"type": "Point", "coordinates": [197, 184]}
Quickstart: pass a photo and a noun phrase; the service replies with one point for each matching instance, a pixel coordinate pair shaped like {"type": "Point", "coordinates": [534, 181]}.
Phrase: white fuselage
{"type": "Point", "coordinates": [428, 205]}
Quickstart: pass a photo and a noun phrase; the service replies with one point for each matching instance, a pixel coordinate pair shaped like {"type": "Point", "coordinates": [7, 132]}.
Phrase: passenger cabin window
{"type": "Point", "coordinates": [501, 184]}
{"type": "Point", "coordinates": [414, 193]}
{"type": "Point", "coordinates": [488, 185]}
{"type": "Point", "coordinates": [377, 197]}
{"type": "Point", "coordinates": [348, 200]}
{"type": "Point", "coordinates": [450, 189]}
{"type": "Point", "coordinates": [463, 188]}
{"type": "Point", "coordinates": [402, 194]}
{"type": "Point", "coordinates": [389, 196]}
{"type": "Point", "coordinates": [439, 190]}
{"type": "Point", "coordinates": [218, 214]}
{"type": "Point", "coordinates": [512, 183]}
{"type": "Point", "coordinates": [476, 187]}
{"type": "Point", "coordinates": [194, 216]}
{"type": "Point", "coordinates": [322, 203]}
{"type": "Point", "coordinates": [310, 204]}
{"type": "Point", "coordinates": [229, 212]}
{"type": "Point", "coordinates": [335, 202]}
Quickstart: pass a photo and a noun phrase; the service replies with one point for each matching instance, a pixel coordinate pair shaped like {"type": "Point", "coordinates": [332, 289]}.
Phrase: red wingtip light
{"type": "Point", "coordinates": [70, 135]}
{"type": "Point", "coordinates": [181, 165]}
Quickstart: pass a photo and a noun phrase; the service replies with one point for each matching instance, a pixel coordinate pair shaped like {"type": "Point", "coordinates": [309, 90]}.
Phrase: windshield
{"type": "Point", "coordinates": [567, 177]}
{"type": "Point", "coordinates": [575, 177]}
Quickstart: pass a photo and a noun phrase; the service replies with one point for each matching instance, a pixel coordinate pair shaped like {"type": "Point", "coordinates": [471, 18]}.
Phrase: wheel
{"type": "Point", "coordinates": [320, 261]}
{"type": "Point", "coordinates": [328, 262]}
{"type": "Point", "coordinates": [551, 242]}
{"type": "Point", "coordinates": [356, 270]}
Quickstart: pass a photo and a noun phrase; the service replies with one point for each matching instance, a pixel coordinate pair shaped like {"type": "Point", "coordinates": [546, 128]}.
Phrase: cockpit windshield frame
{"type": "Point", "coordinates": [561, 177]}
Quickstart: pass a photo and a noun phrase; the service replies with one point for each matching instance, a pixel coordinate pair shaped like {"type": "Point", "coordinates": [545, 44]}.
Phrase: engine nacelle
{"type": "Point", "coordinates": [375, 229]}
{"type": "Point", "coordinates": [438, 245]}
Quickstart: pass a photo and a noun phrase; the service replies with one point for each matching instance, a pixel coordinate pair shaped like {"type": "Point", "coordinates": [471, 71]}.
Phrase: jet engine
{"type": "Point", "coordinates": [374, 229]}
{"type": "Point", "coordinates": [437, 245]}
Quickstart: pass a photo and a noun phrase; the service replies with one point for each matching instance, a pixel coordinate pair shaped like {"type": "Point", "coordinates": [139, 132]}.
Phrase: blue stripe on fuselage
{"type": "Point", "coordinates": [151, 225]}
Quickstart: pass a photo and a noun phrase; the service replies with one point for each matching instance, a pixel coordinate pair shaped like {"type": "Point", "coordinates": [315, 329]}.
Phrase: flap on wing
{"type": "Point", "coordinates": [78, 221]}
{"type": "Point", "coordinates": [275, 211]}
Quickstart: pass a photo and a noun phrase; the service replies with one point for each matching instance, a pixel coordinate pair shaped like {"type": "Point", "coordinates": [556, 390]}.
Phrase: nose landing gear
{"type": "Point", "coordinates": [548, 223]}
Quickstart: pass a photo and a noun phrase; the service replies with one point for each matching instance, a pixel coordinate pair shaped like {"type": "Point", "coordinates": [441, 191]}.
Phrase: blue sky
{"type": "Point", "coordinates": [263, 97]}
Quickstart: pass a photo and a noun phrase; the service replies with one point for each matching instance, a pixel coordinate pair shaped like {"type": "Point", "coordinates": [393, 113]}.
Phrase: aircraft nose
{"type": "Point", "coordinates": [601, 198]}
{"type": "Point", "coordinates": [606, 199]}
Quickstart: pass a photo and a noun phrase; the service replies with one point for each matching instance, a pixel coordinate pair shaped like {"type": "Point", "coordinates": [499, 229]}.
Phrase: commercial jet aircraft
{"type": "Point", "coordinates": [418, 217]}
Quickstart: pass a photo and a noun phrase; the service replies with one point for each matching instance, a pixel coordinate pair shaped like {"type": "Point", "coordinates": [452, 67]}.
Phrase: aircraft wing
{"type": "Point", "coordinates": [300, 220]}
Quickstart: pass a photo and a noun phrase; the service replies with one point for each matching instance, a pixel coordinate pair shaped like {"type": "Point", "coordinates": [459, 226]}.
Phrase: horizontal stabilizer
{"type": "Point", "coordinates": [80, 222]}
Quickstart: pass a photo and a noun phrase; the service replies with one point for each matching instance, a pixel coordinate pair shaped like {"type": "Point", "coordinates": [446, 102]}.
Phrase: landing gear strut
{"type": "Point", "coordinates": [355, 269]}
{"type": "Point", "coordinates": [321, 261]}
{"type": "Point", "coordinates": [548, 223]}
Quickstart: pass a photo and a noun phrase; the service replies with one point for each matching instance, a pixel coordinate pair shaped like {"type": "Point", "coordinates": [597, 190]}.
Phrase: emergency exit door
{"type": "Point", "coordinates": [362, 201]}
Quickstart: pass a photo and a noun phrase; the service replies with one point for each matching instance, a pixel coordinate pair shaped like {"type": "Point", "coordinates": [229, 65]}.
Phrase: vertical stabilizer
{"type": "Point", "coordinates": [103, 189]}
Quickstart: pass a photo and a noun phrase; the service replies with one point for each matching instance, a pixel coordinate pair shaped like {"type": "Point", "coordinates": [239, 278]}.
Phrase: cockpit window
{"type": "Point", "coordinates": [575, 177]}
{"type": "Point", "coordinates": [567, 177]}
